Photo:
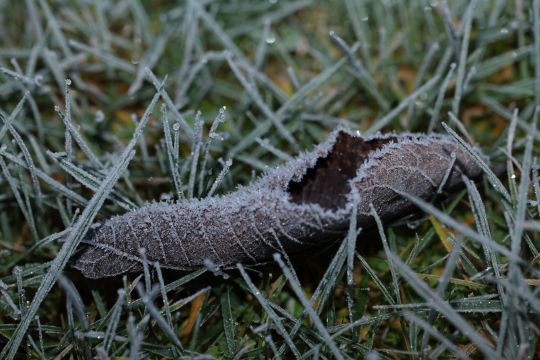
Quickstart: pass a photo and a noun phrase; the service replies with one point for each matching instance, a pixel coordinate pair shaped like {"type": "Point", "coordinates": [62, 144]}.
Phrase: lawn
{"type": "Point", "coordinates": [107, 105]}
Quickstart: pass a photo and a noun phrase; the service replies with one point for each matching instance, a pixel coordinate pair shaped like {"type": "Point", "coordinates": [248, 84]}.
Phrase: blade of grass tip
{"type": "Point", "coordinates": [88, 180]}
{"type": "Point", "coordinates": [66, 118]}
{"type": "Point", "coordinates": [283, 252]}
{"type": "Point", "coordinates": [441, 287]}
{"type": "Point", "coordinates": [363, 75]}
{"type": "Point", "coordinates": [109, 59]}
{"type": "Point", "coordinates": [356, 12]}
{"type": "Point", "coordinates": [178, 304]}
{"type": "Point", "coordinates": [71, 326]}
{"type": "Point", "coordinates": [387, 251]}
{"type": "Point", "coordinates": [146, 270]}
{"type": "Point", "coordinates": [34, 18]}
{"type": "Point", "coordinates": [351, 245]}
{"type": "Point", "coordinates": [46, 178]}
{"type": "Point", "coordinates": [190, 25]}
{"type": "Point", "coordinates": [68, 143]}
{"type": "Point", "coordinates": [212, 135]}
{"type": "Point", "coordinates": [269, 311]}
{"type": "Point", "coordinates": [55, 27]}
{"type": "Point", "coordinates": [160, 320]}
{"type": "Point", "coordinates": [424, 67]}
{"type": "Point", "coordinates": [252, 91]}
{"type": "Point", "coordinates": [26, 194]}
{"type": "Point", "coordinates": [102, 25]}
{"type": "Point", "coordinates": [260, 53]}
{"type": "Point", "coordinates": [8, 126]}
{"type": "Point", "coordinates": [516, 234]}
{"type": "Point", "coordinates": [415, 249]}
{"type": "Point", "coordinates": [226, 166]}
{"type": "Point", "coordinates": [17, 272]}
{"type": "Point", "coordinates": [72, 241]}
{"type": "Point", "coordinates": [167, 99]}
{"type": "Point", "coordinates": [442, 306]}
{"type": "Point", "coordinates": [449, 26]}
{"type": "Point", "coordinates": [264, 143]}
{"type": "Point", "coordinates": [142, 20]}
{"type": "Point", "coordinates": [74, 298]}
{"type": "Point", "coordinates": [7, 122]}
{"type": "Point", "coordinates": [440, 98]}
{"type": "Point", "coordinates": [272, 345]}
{"type": "Point", "coordinates": [376, 279]}
{"type": "Point", "coordinates": [467, 20]}
{"type": "Point", "coordinates": [31, 166]}
{"type": "Point", "coordinates": [509, 146]}
{"type": "Point", "coordinates": [294, 79]}
{"type": "Point", "coordinates": [15, 75]}
{"type": "Point", "coordinates": [195, 151]}
{"type": "Point", "coordinates": [40, 334]}
{"type": "Point", "coordinates": [9, 300]}
{"type": "Point", "coordinates": [479, 212]}
{"type": "Point", "coordinates": [482, 222]}
{"type": "Point", "coordinates": [173, 164]}
{"type": "Point", "coordinates": [76, 301]}
{"type": "Point", "coordinates": [18, 198]}
{"type": "Point", "coordinates": [149, 60]}
{"type": "Point", "coordinates": [194, 70]}
{"type": "Point", "coordinates": [142, 145]}
{"type": "Point", "coordinates": [433, 332]}
{"type": "Point", "coordinates": [382, 122]}
{"type": "Point", "coordinates": [163, 293]}
{"type": "Point", "coordinates": [218, 31]}
{"type": "Point", "coordinates": [322, 78]}
{"type": "Point", "coordinates": [454, 120]}
{"type": "Point", "coordinates": [495, 182]}
{"type": "Point", "coordinates": [112, 325]}
{"type": "Point", "coordinates": [323, 331]}
{"type": "Point", "coordinates": [229, 327]}
{"type": "Point", "coordinates": [447, 173]}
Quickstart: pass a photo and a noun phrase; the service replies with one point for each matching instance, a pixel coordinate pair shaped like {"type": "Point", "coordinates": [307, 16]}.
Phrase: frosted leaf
{"type": "Point", "coordinates": [280, 208]}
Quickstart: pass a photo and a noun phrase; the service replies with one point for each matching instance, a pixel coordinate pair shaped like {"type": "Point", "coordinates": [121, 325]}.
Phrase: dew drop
{"type": "Point", "coordinates": [38, 80]}
{"type": "Point", "coordinates": [99, 116]}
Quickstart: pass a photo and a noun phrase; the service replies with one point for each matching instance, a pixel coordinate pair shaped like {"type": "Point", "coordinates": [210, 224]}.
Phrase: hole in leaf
{"type": "Point", "coordinates": [327, 183]}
